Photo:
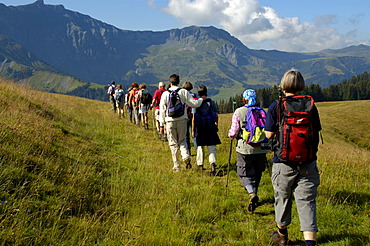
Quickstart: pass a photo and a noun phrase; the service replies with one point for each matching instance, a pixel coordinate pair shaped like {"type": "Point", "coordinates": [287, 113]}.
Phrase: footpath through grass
{"type": "Point", "coordinates": [72, 173]}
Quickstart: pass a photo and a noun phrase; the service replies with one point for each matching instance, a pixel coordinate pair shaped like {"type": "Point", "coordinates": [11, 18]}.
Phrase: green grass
{"type": "Point", "coordinates": [72, 173]}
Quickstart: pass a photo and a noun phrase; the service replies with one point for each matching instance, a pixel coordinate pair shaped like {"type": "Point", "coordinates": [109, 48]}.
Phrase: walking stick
{"type": "Point", "coordinates": [228, 164]}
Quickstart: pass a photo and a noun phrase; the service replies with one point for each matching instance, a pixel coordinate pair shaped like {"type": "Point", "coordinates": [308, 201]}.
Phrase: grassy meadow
{"type": "Point", "coordinates": [73, 173]}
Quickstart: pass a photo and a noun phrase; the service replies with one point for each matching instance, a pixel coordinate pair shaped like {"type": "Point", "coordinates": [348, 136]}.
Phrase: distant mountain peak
{"type": "Point", "coordinates": [39, 3]}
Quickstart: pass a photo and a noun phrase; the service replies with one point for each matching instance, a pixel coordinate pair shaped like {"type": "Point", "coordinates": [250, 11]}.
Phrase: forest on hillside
{"type": "Point", "coordinates": [356, 88]}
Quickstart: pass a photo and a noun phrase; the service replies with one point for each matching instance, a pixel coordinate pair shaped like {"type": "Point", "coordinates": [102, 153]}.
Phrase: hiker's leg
{"type": "Point", "coordinates": [146, 117]}
{"type": "Point", "coordinates": [246, 172]}
{"type": "Point", "coordinates": [305, 196]}
{"type": "Point", "coordinates": [195, 143]}
{"type": "Point", "coordinates": [142, 119]}
{"type": "Point", "coordinates": [181, 134]}
{"type": "Point", "coordinates": [173, 143]}
{"type": "Point", "coordinates": [188, 132]}
{"type": "Point", "coordinates": [259, 165]}
{"type": "Point", "coordinates": [157, 124]}
{"type": "Point", "coordinates": [212, 154]}
{"type": "Point", "coordinates": [136, 115]}
{"type": "Point", "coordinates": [200, 155]}
{"type": "Point", "coordinates": [130, 111]}
{"type": "Point", "coordinates": [122, 111]}
{"type": "Point", "coordinates": [283, 179]}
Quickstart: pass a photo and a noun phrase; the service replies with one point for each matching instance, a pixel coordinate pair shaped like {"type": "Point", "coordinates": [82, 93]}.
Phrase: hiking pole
{"type": "Point", "coordinates": [228, 164]}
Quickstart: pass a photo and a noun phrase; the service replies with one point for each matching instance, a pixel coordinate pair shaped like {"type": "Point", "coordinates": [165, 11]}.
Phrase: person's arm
{"type": "Point", "coordinates": [189, 100]}
{"type": "Point", "coordinates": [193, 125]}
{"type": "Point", "coordinates": [130, 99]}
{"type": "Point", "coordinates": [193, 111]}
{"type": "Point", "coordinates": [154, 99]}
{"type": "Point", "coordinates": [235, 126]}
{"type": "Point", "coordinates": [271, 121]}
{"type": "Point", "coordinates": [163, 107]}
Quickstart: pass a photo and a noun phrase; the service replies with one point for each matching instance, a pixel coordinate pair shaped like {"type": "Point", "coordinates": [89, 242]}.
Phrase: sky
{"type": "Point", "coordinates": [285, 25]}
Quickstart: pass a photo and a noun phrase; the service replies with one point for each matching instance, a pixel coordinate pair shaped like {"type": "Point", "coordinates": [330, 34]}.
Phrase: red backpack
{"type": "Point", "coordinates": [295, 138]}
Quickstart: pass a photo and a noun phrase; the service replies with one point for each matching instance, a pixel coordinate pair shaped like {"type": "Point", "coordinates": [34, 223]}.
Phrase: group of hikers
{"type": "Point", "coordinates": [290, 129]}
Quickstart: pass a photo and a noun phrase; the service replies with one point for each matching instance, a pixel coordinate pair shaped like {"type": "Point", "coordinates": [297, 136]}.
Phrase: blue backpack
{"type": "Point", "coordinates": [119, 95]}
{"type": "Point", "coordinates": [205, 115]}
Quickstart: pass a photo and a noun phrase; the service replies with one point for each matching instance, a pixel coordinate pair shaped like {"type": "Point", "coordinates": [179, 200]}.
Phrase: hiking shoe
{"type": "Point", "coordinates": [253, 202]}
{"type": "Point", "coordinates": [280, 239]}
{"type": "Point", "coordinates": [187, 163]}
{"type": "Point", "coordinates": [213, 169]}
{"type": "Point", "coordinates": [200, 167]}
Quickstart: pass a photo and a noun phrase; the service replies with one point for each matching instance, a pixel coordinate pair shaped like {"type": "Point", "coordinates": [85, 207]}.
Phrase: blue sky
{"type": "Point", "coordinates": [287, 25]}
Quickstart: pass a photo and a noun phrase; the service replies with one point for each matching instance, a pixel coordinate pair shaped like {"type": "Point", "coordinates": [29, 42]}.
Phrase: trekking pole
{"type": "Point", "coordinates": [228, 164]}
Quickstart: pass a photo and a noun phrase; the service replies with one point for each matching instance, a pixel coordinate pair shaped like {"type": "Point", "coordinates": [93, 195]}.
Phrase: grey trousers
{"type": "Point", "coordinates": [300, 182]}
{"type": "Point", "coordinates": [250, 169]}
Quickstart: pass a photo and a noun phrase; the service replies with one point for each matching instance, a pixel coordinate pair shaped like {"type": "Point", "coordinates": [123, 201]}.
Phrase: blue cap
{"type": "Point", "coordinates": [251, 96]}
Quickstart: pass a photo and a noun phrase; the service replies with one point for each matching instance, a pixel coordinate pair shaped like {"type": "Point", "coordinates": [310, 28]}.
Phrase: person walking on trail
{"type": "Point", "coordinates": [189, 86]}
{"type": "Point", "coordinates": [119, 97]}
{"type": "Point", "coordinates": [289, 177]}
{"type": "Point", "coordinates": [205, 128]}
{"type": "Point", "coordinates": [251, 160]}
{"type": "Point", "coordinates": [127, 94]}
{"type": "Point", "coordinates": [155, 104]}
{"type": "Point", "coordinates": [172, 112]}
{"type": "Point", "coordinates": [144, 99]}
{"type": "Point", "coordinates": [133, 107]}
{"type": "Point", "coordinates": [111, 91]}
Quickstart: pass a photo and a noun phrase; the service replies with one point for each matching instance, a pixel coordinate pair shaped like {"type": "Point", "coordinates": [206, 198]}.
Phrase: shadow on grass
{"type": "Point", "coordinates": [351, 238]}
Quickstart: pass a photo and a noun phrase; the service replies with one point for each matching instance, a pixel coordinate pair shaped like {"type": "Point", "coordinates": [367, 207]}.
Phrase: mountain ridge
{"type": "Point", "coordinates": [94, 51]}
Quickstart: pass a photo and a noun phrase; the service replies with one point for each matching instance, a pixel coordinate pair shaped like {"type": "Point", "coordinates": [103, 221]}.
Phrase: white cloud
{"type": "Point", "coordinates": [259, 26]}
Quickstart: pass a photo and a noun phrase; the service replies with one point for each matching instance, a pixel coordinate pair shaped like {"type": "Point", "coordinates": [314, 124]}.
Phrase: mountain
{"type": "Point", "coordinates": [91, 50]}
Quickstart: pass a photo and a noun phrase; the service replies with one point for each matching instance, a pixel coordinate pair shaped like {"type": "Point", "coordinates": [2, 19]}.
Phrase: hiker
{"type": "Point", "coordinates": [205, 128]}
{"type": "Point", "coordinates": [143, 100]}
{"type": "Point", "coordinates": [111, 90]}
{"type": "Point", "coordinates": [119, 98]}
{"type": "Point", "coordinates": [189, 86]}
{"type": "Point", "coordinates": [289, 177]}
{"type": "Point", "coordinates": [127, 94]}
{"type": "Point", "coordinates": [133, 107]}
{"type": "Point", "coordinates": [251, 160]}
{"type": "Point", "coordinates": [176, 119]}
{"type": "Point", "coordinates": [155, 104]}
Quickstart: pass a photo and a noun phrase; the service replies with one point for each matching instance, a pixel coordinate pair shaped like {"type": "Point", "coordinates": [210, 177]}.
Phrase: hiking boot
{"type": "Point", "coordinates": [213, 169]}
{"type": "Point", "coordinates": [253, 202]}
{"type": "Point", "coordinates": [280, 239]}
{"type": "Point", "coordinates": [200, 167]}
{"type": "Point", "coordinates": [187, 163]}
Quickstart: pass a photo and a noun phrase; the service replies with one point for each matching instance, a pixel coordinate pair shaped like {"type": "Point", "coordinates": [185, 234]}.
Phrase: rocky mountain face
{"type": "Point", "coordinates": [94, 51]}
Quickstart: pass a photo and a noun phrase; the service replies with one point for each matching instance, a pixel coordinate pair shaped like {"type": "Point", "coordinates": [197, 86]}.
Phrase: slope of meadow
{"type": "Point", "coordinates": [72, 173]}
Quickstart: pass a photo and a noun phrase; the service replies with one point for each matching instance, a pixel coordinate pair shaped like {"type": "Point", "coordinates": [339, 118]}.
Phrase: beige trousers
{"type": "Point", "coordinates": [176, 135]}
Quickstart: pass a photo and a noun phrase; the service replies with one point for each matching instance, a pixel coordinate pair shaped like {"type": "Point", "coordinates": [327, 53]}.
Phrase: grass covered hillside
{"type": "Point", "coordinates": [72, 173]}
